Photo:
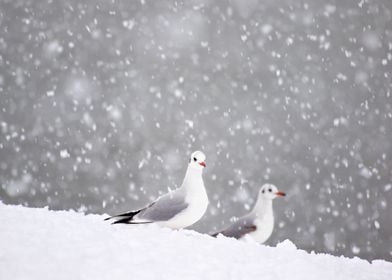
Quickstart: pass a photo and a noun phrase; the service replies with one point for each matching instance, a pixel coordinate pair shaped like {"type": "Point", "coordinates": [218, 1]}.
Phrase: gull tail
{"type": "Point", "coordinates": [125, 218]}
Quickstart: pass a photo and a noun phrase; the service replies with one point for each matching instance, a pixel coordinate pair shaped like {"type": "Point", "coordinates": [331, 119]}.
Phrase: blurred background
{"type": "Point", "coordinates": [102, 102]}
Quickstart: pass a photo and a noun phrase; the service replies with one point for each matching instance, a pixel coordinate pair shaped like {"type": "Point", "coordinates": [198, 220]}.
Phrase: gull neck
{"type": "Point", "coordinates": [262, 207]}
{"type": "Point", "coordinates": [193, 178]}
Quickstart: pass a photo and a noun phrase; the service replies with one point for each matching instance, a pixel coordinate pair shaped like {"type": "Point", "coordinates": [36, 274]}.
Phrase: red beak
{"type": "Point", "coordinates": [280, 194]}
{"type": "Point", "coordinates": [203, 164]}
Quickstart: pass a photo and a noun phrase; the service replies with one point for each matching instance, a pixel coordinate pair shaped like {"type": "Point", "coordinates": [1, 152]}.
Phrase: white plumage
{"type": "Point", "coordinates": [179, 208]}
{"type": "Point", "coordinates": [259, 223]}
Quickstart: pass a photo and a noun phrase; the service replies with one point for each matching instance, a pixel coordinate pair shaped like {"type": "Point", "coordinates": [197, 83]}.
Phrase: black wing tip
{"type": "Point", "coordinates": [214, 234]}
{"type": "Point", "coordinates": [129, 222]}
{"type": "Point", "coordinates": [119, 222]}
{"type": "Point", "coordinates": [126, 220]}
{"type": "Point", "coordinates": [123, 217]}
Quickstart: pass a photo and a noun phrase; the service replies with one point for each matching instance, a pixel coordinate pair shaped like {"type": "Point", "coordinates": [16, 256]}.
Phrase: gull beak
{"type": "Point", "coordinates": [280, 194]}
{"type": "Point", "coordinates": [202, 164]}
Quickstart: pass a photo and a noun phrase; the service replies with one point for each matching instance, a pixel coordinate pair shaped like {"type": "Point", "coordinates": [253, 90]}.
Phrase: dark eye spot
{"type": "Point", "coordinates": [269, 190]}
{"type": "Point", "coordinates": [195, 159]}
{"type": "Point", "coordinates": [263, 191]}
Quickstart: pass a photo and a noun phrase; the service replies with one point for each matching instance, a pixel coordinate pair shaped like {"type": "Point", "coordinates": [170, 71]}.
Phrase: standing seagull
{"type": "Point", "coordinates": [179, 208]}
{"type": "Point", "coordinates": [259, 223]}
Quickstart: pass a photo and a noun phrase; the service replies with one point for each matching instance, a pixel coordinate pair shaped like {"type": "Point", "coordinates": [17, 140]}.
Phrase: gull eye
{"type": "Point", "coordinates": [269, 190]}
{"type": "Point", "coordinates": [263, 191]}
{"type": "Point", "coordinates": [194, 159]}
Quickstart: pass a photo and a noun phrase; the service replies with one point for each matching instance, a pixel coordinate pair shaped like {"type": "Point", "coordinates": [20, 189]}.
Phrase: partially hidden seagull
{"type": "Point", "coordinates": [259, 223]}
{"type": "Point", "coordinates": [179, 208]}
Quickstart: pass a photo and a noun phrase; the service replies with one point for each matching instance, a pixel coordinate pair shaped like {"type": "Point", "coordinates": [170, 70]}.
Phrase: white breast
{"type": "Point", "coordinates": [264, 228]}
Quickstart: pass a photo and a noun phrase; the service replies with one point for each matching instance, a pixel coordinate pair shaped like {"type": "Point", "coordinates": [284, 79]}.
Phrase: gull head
{"type": "Point", "coordinates": [197, 160]}
{"type": "Point", "coordinates": [269, 191]}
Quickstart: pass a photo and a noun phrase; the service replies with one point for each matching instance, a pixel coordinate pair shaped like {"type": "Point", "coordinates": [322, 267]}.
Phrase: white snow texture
{"type": "Point", "coordinates": [43, 244]}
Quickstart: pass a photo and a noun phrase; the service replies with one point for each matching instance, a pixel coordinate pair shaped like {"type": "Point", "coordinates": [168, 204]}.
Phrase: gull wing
{"type": "Point", "coordinates": [239, 228]}
{"type": "Point", "coordinates": [164, 208]}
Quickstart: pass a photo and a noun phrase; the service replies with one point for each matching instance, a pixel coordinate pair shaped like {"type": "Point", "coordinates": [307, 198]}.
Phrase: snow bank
{"type": "Point", "coordinates": [43, 244]}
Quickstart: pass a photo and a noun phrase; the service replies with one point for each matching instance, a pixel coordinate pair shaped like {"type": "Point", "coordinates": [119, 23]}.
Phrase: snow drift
{"type": "Point", "coordinates": [43, 244]}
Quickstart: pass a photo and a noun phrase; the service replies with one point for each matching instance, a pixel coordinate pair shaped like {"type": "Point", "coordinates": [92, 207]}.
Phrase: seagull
{"type": "Point", "coordinates": [259, 223]}
{"type": "Point", "coordinates": [179, 208]}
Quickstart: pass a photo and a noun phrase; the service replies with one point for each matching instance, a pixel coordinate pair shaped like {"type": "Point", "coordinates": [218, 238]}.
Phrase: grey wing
{"type": "Point", "coordinates": [239, 228]}
{"type": "Point", "coordinates": [164, 208]}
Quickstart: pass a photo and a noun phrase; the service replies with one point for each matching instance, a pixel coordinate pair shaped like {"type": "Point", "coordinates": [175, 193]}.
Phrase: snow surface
{"type": "Point", "coordinates": [43, 244]}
